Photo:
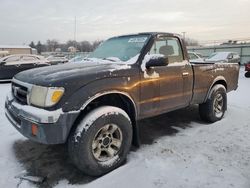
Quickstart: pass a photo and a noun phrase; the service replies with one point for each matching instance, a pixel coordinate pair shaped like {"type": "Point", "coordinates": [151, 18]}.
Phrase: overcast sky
{"type": "Point", "coordinates": [23, 21]}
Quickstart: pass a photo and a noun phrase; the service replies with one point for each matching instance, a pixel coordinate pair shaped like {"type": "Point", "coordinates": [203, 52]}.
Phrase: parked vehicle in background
{"type": "Point", "coordinates": [13, 64]}
{"type": "Point", "coordinates": [94, 106]}
{"type": "Point", "coordinates": [195, 57]}
{"type": "Point", "coordinates": [57, 59]}
{"type": "Point", "coordinates": [227, 57]}
{"type": "Point", "coordinates": [247, 68]}
{"type": "Point", "coordinates": [77, 59]}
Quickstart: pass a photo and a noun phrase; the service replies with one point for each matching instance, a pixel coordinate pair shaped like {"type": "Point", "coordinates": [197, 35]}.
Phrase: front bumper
{"type": "Point", "coordinates": [53, 127]}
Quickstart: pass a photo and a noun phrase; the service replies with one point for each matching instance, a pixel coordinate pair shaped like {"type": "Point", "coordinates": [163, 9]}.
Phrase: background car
{"type": "Point", "coordinates": [57, 59]}
{"type": "Point", "coordinates": [13, 64]}
{"type": "Point", "coordinates": [247, 68]}
{"type": "Point", "coordinates": [77, 59]}
{"type": "Point", "coordinates": [228, 57]}
{"type": "Point", "coordinates": [195, 57]}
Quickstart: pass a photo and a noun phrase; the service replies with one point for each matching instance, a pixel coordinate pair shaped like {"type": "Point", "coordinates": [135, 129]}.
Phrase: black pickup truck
{"type": "Point", "coordinates": [94, 106]}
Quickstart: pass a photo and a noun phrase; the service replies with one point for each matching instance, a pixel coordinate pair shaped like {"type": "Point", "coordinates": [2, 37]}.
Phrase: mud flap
{"type": "Point", "coordinates": [136, 135]}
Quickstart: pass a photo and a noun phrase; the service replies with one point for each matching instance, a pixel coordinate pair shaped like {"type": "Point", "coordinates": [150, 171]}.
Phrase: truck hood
{"type": "Point", "coordinates": [74, 73]}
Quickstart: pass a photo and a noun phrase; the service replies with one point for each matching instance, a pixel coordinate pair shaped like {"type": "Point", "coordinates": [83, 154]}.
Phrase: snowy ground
{"type": "Point", "coordinates": [178, 150]}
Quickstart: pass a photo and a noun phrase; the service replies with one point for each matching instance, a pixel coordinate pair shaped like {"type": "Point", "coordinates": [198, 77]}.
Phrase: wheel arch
{"type": "Point", "coordinates": [113, 98]}
{"type": "Point", "coordinates": [219, 80]}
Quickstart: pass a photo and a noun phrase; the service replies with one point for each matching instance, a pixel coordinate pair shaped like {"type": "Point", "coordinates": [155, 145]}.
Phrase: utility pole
{"type": "Point", "coordinates": [75, 45]}
{"type": "Point", "coordinates": [184, 34]}
{"type": "Point", "coordinates": [75, 30]}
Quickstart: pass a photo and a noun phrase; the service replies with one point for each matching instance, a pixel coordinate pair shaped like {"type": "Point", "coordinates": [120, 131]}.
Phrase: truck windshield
{"type": "Point", "coordinates": [120, 48]}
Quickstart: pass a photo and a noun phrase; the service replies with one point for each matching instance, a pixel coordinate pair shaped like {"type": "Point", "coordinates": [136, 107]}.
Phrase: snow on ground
{"type": "Point", "coordinates": [178, 151]}
{"type": "Point", "coordinates": [8, 165]}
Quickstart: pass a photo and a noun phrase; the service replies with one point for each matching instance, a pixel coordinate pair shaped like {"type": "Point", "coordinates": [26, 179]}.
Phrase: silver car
{"type": "Point", "coordinates": [195, 57]}
{"type": "Point", "coordinates": [228, 57]}
{"type": "Point", "coordinates": [57, 59]}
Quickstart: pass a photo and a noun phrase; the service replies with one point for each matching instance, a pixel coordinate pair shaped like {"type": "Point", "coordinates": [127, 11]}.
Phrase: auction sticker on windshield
{"type": "Point", "coordinates": [138, 39]}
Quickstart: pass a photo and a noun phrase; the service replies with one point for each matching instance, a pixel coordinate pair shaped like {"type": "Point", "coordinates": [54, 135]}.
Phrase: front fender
{"type": "Point", "coordinates": [79, 99]}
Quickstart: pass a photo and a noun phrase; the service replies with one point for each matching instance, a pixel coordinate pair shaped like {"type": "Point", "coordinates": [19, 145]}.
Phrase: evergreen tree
{"type": "Point", "coordinates": [32, 45]}
{"type": "Point", "coordinates": [39, 47]}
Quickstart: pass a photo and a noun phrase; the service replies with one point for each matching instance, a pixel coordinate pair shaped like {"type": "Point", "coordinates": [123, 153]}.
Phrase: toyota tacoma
{"type": "Point", "coordinates": [94, 106]}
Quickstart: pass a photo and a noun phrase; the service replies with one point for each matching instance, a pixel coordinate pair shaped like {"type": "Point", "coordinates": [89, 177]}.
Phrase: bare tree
{"type": "Point", "coordinates": [191, 42]}
{"type": "Point", "coordinates": [52, 45]}
{"type": "Point", "coordinates": [85, 46]}
{"type": "Point", "coordinates": [96, 44]}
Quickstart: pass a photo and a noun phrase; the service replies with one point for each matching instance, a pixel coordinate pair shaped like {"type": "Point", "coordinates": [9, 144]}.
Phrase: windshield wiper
{"type": "Point", "coordinates": [109, 59]}
{"type": "Point", "coordinates": [112, 59]}
{"type": "Point", "coordinates": [87, 59]}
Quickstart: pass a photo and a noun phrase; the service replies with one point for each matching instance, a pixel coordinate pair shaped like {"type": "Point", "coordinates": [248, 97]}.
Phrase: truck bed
{"type": "Point", "coordinates": [206, 74]}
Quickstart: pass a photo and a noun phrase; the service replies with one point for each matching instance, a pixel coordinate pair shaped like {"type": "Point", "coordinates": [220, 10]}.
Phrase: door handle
{"type": "Point", "coordinates": [185, 74]}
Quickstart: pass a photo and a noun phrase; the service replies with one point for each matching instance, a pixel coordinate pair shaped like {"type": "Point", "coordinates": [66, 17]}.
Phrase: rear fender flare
{"type": "Point", "coordinates": [217, 79]}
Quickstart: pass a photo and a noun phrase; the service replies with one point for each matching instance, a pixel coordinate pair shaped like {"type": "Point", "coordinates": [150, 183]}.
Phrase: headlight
{"type": "Point", "coordinates": [45, 96]}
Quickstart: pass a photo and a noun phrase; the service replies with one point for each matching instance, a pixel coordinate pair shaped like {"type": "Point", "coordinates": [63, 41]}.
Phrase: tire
{"type": "Point", "coordinates": [215, 106]}
{"type": "Point", "coordinates": [101, 141]}
{"type": "Point", "coordinates": [247, 74]}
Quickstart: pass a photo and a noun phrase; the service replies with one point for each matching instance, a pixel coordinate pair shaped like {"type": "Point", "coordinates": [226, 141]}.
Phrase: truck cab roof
{"type": "Point", "coordinates": [153, 34]}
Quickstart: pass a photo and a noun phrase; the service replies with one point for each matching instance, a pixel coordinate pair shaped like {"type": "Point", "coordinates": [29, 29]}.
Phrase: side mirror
{"type": "Point", "coordinates": [156, 61]}
{"type": "Point", "coordinates": [2, 62]}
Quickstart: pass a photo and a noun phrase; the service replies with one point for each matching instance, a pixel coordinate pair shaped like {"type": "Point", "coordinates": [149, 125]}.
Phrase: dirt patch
{"type": "Point", "coordinates": [48, 161]}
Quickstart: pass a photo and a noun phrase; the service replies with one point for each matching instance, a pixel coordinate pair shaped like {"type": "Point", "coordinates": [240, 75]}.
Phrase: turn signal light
{"type": "Point", "coordinates": [34, 129]}
{"type": "Point", "coordinates": [56, 96]}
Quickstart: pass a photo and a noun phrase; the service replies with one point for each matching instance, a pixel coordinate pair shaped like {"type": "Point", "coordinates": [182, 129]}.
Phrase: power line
{"type": "Point", "coordinates": [216, 41]}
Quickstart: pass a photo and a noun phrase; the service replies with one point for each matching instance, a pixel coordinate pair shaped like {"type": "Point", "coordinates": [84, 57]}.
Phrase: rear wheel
{"type": "Point", "coordinates": [101, 141]}
{"type": "Point", "coordinates": [215, 106]}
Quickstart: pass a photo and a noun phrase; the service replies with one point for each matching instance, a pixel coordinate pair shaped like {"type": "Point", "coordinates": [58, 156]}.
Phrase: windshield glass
{"type": "Point", "coordinates": [120, 48]}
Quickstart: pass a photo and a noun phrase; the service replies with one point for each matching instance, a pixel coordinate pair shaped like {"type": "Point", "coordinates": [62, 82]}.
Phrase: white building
{"type": "Point", "coordinates": [14, 49]}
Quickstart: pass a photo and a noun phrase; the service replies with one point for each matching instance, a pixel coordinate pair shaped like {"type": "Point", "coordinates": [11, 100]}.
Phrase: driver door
{"type": "Point", "coordinates": [172, 89]}
{"type": "Point", "coordinates": [175, 77]}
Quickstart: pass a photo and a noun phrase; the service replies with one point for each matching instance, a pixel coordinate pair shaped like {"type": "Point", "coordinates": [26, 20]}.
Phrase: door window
{"type": "Point", "coordinates": [170, 47]}
{"type": "Point", "coordinates": [12, 60]}
{"type": "Point", "coordinates": [28, 58]}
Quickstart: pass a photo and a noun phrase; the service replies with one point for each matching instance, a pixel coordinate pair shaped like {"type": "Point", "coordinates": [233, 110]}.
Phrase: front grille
{"type": "Point", "coordinates": [14, 118]}
{"type": "Point", "coordinates": [20, 93]}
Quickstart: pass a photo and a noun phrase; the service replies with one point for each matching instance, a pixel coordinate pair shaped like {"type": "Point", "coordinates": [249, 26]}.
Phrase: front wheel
{"type": "Point", "coordinates": [247, 74]}
{"type": "Point", "coordinates": [101, 141]}
{"type": "Point", "coordinates": [215, 106]}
